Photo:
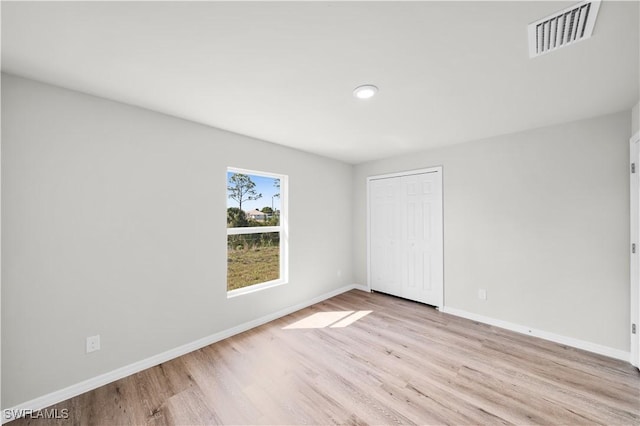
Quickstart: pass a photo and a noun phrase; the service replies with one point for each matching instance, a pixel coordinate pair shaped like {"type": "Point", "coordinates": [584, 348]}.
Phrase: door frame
{"type": "Point", "coordinates": [433, 169]}
{"type": "Point", "coordinates": [634, 258]}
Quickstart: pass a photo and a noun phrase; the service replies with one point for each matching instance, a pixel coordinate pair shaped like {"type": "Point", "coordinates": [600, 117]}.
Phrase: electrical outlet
{"type": "Point", "coordinates": [339, 273]}
{"type": "Point", "coordinates": [482, 294]}
{"type": "Point", "coordinates": [93, 343]}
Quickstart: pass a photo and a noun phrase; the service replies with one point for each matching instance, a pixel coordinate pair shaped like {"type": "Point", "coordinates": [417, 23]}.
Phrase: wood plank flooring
{"type": "Point", "coordinates": [403, 363]}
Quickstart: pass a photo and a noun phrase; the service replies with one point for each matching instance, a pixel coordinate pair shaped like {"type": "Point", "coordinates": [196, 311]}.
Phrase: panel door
{"type": "Point", "coordinates": [385, 236]}
{"type": "Point", "coordinates": [421, 245]}
{"type": "Point", "coordinates": [405, 236]}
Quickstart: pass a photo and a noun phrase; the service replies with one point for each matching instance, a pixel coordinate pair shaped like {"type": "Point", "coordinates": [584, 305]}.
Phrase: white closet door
{"type": "Point", "coordinates": [405, 236]}
{"type": "Point", "coordinates": [634, 185]}
{"type": "Point", "coordinates": [385, 235]}
{"type": "Point", "coordinates": [422, 238]}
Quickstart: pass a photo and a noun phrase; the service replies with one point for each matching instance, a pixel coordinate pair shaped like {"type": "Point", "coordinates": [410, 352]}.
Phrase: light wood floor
{"type": "Point", "coordinates": [403, 363]}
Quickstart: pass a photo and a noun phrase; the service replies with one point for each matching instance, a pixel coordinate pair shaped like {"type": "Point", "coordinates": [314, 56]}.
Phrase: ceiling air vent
{"type": "Point", "coordinates": [563, 28]}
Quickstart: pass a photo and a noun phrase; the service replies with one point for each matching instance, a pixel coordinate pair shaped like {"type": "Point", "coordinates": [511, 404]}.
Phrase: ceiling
{"type": "Point", "coordinates": [284, 72]}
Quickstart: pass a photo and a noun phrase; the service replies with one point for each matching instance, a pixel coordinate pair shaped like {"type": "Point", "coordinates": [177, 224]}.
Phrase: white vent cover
{"type": "Point", "coordinates": [563, 28]}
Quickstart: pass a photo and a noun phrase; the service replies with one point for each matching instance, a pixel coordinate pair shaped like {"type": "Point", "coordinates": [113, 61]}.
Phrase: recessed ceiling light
{"type": "Point", "coordinates": [365, 91]}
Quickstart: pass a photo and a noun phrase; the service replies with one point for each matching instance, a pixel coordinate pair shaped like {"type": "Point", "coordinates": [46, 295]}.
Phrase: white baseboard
{"type": "Point", "coordinates": [569, 341]}
{"type": "Point", "coordinates": [361, 287]}
{"type": "Point", "coordinates": [52, 398]}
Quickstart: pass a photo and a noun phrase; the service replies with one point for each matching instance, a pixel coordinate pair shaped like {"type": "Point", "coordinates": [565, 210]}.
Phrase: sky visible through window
{"type": "Point", "coordinates": [265, 186]}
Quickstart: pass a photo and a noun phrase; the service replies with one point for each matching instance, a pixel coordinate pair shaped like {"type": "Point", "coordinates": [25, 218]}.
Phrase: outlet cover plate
{"type": "Point", "coordinates": [93, 343]}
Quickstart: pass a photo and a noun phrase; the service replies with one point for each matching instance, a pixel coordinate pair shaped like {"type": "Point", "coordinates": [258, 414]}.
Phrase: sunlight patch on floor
{"type": "Point", "coordinates": [351, 319]}
{"type": "Point", "coordinates": [334, 319]}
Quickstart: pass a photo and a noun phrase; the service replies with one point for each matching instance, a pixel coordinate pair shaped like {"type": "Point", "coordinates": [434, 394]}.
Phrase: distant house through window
{"type": "Point", "coordinates": [257, 215]}
{"type": "Point", "coordinates": [256, 230]}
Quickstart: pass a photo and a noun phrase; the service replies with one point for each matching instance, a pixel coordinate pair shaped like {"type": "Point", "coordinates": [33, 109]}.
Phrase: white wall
{"type": "Point", "coordinates": [540, 219]}
{"type": "Point", "coordinates": [113, 223]}
{"type": "Point", "coordinates": [635, 119]}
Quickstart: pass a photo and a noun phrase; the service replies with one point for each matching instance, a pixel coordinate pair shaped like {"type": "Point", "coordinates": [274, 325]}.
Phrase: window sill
{"type": "Point", "coordinates": [253, 288]}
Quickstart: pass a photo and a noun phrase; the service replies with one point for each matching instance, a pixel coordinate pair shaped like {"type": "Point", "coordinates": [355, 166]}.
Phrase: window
{"type": "Point", "coordinates": [256, 230]}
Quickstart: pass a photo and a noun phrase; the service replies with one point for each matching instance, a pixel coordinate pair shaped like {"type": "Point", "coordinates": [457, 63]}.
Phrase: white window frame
{"type": "Point", "coordinates": [283, 229]}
